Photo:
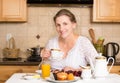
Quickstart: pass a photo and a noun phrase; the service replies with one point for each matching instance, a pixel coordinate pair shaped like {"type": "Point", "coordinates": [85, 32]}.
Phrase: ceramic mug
{"type": "Point", "coordinates": [86, 73]}
{"type": "Point", "coordinates": [56, 54]}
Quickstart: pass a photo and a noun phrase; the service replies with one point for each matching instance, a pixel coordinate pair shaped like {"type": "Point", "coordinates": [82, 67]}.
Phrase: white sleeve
{"type": "Point", "coordinates": [48, 45]}
{"type": "Point", "coordinates": [52, 43]}
{"type": "Point", "coordinates": [89, 51]}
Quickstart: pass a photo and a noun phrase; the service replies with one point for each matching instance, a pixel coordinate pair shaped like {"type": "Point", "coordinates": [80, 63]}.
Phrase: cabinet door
{"type": "Point", "coordinates": [106, 11]}
{"type": "Point", "coordinates": [13, 10]}
{"type": "Point", "coordinates": [115, 69]}
{"type": "Point", "coordinates": [7, 71]}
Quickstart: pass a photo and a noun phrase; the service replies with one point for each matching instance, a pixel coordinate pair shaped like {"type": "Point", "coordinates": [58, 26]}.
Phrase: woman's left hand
{"type": "Point", "coordinates": [67, 68]}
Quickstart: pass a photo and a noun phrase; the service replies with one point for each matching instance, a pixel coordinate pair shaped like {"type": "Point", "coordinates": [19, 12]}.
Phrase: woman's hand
{"type": "Point", "coordinates": [45, 54]}
{"type": "Point", "coordinates": [67, 68]}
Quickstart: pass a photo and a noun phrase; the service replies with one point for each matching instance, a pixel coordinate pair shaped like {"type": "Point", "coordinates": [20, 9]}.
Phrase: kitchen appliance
{"type": "Point", "coordinates": [35, 54]}
{"type": "Point", "coordinates": [60, 1]}
{"type": "Point", "coordinates": [111, 49]}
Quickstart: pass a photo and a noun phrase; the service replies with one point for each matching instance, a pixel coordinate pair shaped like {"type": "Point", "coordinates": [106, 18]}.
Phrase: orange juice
{"type": "Point", "coordinates": [45, 70]}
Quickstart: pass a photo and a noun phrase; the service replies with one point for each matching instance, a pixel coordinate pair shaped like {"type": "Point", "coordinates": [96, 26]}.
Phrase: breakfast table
{"type": "Point", "coordinates": [18, 77]}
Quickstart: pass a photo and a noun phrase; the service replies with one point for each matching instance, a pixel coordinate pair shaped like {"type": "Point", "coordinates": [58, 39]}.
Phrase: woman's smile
{"type": "Point", "coordinates": [64, 26]}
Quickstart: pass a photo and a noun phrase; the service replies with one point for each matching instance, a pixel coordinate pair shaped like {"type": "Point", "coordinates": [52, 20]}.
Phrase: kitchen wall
{"type": "Point", "coordinates": [40, 22]}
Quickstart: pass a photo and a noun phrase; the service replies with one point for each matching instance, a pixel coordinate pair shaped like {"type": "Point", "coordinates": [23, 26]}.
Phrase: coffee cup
{"type": "Point", "coordinates": [56, 54]}
{"type": "Point", "coordinates": [86, 73]}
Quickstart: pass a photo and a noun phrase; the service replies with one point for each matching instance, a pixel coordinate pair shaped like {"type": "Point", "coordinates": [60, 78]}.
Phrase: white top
{"type": "Point", "coordinates": [77, 56]}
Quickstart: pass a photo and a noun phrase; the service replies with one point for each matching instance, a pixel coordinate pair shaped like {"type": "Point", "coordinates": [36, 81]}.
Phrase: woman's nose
{"type": "Point", "coordinates": [61, 28]}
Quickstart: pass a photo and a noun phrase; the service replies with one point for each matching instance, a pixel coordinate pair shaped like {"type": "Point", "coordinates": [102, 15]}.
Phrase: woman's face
{"type": "Point", "coordinates": [64, 26]}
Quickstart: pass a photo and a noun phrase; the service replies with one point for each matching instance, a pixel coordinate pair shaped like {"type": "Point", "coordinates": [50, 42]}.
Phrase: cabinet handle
{"type": "Point", "coordinates": [19, 71]}
{"type": "Point", "coordinates": [119, 71]}
{"type": "Point", "coordinates": [2, 81]}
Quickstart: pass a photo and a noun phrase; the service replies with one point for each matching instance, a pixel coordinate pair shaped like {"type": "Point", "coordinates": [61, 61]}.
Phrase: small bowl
{"type": "Point", "coordinates": [38, 71]}
{"type": "Point", "coordinates": [31, 77]}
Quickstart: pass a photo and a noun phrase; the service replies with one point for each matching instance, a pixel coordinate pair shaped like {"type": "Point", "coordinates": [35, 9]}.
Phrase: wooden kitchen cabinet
{"type": "Point", "coordinates": [106, 11]}
{"type": "Point", "coordinates": [13, 10]}
{"type": "Point", "coordinates": [7, 71]}
{"type": "Point", "coordinates": [115, 69]}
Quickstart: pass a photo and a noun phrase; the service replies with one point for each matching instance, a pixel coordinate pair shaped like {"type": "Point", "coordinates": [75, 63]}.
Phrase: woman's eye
{"type": "Point", "coordinates": [57, 25]}
{"type": "Point", "coordinates": [65, 23]}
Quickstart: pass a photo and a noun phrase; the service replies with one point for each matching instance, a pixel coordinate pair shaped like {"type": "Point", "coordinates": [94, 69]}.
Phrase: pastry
{"type": "Point", "coordinates": [70, 76]}
{"type": "Point", "coordinates": [61, 76]}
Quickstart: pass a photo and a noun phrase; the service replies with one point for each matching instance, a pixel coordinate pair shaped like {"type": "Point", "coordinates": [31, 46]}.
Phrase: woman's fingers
{"type": "Point", "coordinates": [45, 53]}
{"type": "Point", "coordinates": [70, 68]}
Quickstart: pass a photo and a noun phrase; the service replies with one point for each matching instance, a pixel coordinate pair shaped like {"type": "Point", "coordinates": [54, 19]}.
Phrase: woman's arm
{"type": "Point", "coordinates": [89, 52]}
{"type": "Point", "coordinates": [46, 52]}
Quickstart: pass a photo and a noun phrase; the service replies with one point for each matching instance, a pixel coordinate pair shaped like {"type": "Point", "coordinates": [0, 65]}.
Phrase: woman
{"type": "Point", "coordinates": [76, 49]}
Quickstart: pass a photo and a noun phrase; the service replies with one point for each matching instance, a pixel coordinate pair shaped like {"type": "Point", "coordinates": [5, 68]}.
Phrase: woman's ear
{"type": "Point", "coordinates": [74, 25]}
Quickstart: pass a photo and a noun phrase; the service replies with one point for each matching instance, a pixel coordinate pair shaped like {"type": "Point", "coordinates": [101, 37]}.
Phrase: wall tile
{"type": "Point", "coordinates": [40, 21]}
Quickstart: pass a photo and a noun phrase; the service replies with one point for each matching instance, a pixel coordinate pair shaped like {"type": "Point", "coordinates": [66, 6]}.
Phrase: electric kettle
{"type": "Point", "coordinates": [111, 49]}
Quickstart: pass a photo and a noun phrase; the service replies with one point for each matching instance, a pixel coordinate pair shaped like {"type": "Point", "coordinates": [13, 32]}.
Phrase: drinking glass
{"type": "Point", "coordinates": [45, 67]}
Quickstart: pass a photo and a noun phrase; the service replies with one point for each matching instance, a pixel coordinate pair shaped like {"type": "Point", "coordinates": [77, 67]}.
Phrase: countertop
{"type": "Point", "coordinates": [23, 62]}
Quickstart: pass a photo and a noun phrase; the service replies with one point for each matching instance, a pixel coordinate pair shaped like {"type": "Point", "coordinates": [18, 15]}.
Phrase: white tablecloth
{"type": "Point", "coordinates": [111, 78]}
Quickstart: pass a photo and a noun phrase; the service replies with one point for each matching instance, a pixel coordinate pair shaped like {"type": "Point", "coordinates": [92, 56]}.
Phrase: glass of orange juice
{"type": "Point", "coordinates": [45, 67]}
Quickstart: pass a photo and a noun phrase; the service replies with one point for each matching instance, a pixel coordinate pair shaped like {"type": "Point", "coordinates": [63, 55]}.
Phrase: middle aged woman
{"type": "Point", "coordinates": [76, 48]}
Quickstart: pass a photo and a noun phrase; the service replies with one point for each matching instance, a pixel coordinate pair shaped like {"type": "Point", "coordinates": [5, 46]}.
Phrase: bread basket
{"type": "Point", "coordinates": [11, 51]}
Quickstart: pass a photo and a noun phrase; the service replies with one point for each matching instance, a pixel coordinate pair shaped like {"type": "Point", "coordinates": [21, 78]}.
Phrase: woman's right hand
{"type": "Point", "coordinates": [45, 53]}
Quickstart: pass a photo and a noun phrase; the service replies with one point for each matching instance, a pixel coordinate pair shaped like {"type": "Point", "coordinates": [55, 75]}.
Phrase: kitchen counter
{"type": "Point", "coordinates": [21, 62]}
{"type": "Point", "coordinates": [116, 64]}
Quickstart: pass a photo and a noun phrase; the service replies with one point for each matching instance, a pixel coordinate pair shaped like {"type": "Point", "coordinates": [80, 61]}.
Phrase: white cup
{"type": "Point", "coordinates": [56, 54]}
{"type": "Point", "coordinates": [86, 74]}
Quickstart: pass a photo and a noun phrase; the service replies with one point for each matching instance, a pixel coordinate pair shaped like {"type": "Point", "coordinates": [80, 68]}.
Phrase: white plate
{"type": "Point", "coordinates": [31, 77]}
{"type": "Point", "coordinates": [51, 79]}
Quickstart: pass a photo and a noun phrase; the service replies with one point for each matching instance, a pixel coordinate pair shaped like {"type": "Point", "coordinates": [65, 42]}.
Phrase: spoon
{"type": "Point", "coordinates": [85, 67]}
